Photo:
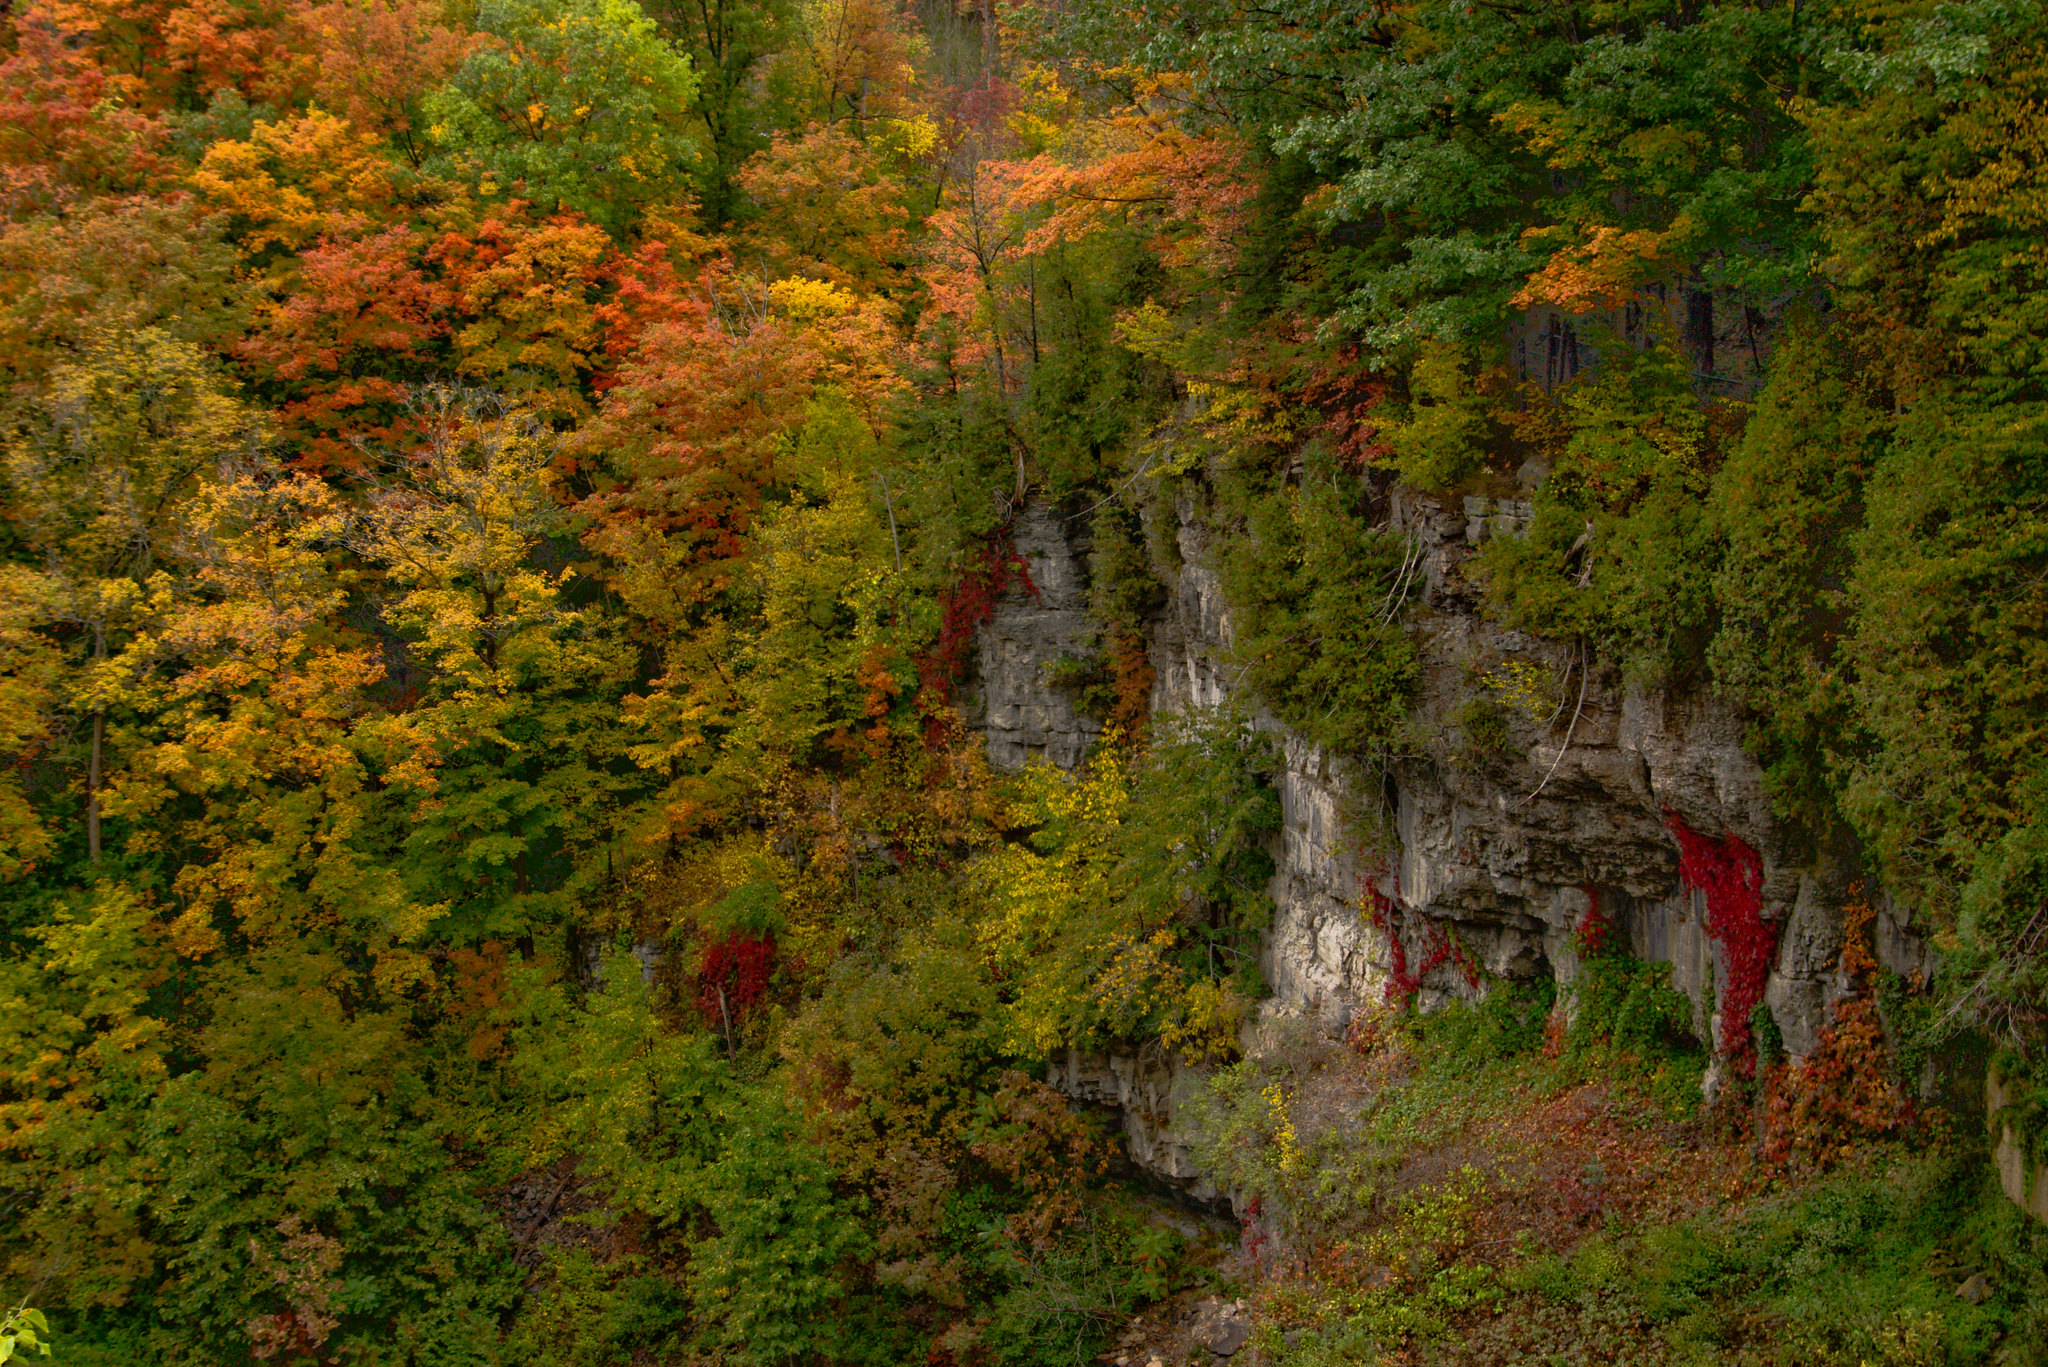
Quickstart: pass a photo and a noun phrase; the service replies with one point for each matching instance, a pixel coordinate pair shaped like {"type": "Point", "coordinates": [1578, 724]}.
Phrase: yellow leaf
{"type": "Point", "coordinates": [193, 935]}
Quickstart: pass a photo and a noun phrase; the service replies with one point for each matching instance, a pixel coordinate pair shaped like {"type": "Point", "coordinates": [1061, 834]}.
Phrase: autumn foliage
{"type": "Point", "coordinates": [1728, 873]}
{"type": "Point", "coordinates": [502, 505]}
{"type": "Point", "coordinates": [1846, 1092]}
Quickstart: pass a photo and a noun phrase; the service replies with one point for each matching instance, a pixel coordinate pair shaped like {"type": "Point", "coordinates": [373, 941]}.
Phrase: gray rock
{"type": "Point", "coordinates": [1221, 1327]}
{"type": "Point", "coordinates": [1798, 1005]}
{"type": "Point", "coordinates": [1022, 716]}
{"type": "Point", "coordinates": [1504, 853]}
{"type": "Point", "coordinates": [1142, 1090]}
{"type": "Point", "coordinates": [2025, 1183]}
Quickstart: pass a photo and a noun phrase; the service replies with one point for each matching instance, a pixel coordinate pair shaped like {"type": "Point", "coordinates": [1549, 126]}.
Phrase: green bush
{"type": "Point", "coordinates": [1316, 596]}
{"type": "Point", "coordinates": [1506, 1022]}
{"type": "Point", "coordinates": [1621, 553]}
{"type": "Point", "coordinates": [1633, 1007]}
{"type": "Point", "coordinates": [1123, 590]}
{"type": "Point", "coordinates": [1482, 726]}
{"type": "Point", "coordinates": [1860, 1269]}
{"type": "Point", "coordinates": [1630, 1014]}
{"type": "Point", "coordinates": [1064, 1300]}
{"type": "Point", "coordinates": [1782, 507]}
{"type": "Point", "coordinates": [1443, 438]}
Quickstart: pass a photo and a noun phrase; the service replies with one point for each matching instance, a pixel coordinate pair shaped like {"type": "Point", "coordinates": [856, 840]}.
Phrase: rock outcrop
{"type": "Point", "coordinates": [1502, 848]}
{"type": "Point", "coordinates": [1141, 1090]}
{"type": "Point", "coordinates": [2024, 1181]}
{"type": "Point", "coordinates": [1022, 715]}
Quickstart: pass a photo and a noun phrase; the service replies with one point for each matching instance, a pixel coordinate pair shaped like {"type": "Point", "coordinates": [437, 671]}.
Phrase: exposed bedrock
{"type": "Point", "coordinates": [1141, 1089]}
{"type": "Point", "coordinates": [1501, 852]}
{"type": "Point", "coordinates": [1021, 715]}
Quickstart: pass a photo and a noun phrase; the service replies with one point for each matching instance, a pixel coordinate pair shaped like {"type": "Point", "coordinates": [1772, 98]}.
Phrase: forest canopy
{"type": "Point", "coordinates": [499, 498]}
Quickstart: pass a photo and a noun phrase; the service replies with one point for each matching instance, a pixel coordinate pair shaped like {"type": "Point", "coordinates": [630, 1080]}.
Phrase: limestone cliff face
{"type": "Point", "coordinates": [1020, 715]}
{"type": "Point", "coordinates": [1504, 849]}
{"type": "Point", "coordinates": [1142, 1090]}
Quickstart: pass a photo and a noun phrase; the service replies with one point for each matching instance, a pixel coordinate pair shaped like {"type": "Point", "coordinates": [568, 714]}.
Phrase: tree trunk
{"type": "Point", "coordinates": [1699, 331]}
{"type": "Point", "coordinates": [93, 768]}
{"type": "Point", "coordinates": [92, 786]}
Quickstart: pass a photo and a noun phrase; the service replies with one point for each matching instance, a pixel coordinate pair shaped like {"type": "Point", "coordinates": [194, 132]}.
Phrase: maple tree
{"type": "Point", "coordinates": [368, 317]}
{"type": "Point", "coordinates": [299, 179]}
{"type": "Point", "coordinates": [116, 263]}
{"type": "Point", "coordinates": [370, 61]}
{"type": "Point", "coordinates": [828, 209]}
{"type": "Point", "coordinates": [68, 128]}
{"type": "Point", "coordinates": [131, 431]}
{"type": "Point", "coordinates": [850, 60]}
{"type": "Point", "coordinates": [575, 104]}
{"type": "Point", "coordinates": [512, 772]}
{"type": "Point", "coordinates": [527, 296]}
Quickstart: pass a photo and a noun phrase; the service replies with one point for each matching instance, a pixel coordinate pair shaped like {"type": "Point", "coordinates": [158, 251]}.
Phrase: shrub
{"type": "Point", "coordinates": [1444, 437]}
{"type": "Point", "coordinates": [1316, 596]}
{"type": "Point", "coordinates": [1063, 1300]}
{"type": "Point", "coordinates": [1633, 1007]}
{"type": "Point", "coordinates": [1131, 911]}
{"type": "Point", "coordinates": [1508, 1021]}
{"type": "Point", "coordinates": [1621, 553]}
{"type": "Point", "coordinates": [1482, 725]}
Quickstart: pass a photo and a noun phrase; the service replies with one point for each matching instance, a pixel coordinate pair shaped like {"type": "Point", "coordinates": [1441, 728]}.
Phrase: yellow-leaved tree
{"type": "Point", "coordinates": [508, 747]}
{"type": "Point", "coordinates": [121, 442]}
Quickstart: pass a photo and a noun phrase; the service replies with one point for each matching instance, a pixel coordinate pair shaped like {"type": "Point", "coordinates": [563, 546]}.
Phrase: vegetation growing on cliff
{"type": "Point", "coordinates": [1485, 1184]}
{"type": "Point", "coordinates": [498, 500]}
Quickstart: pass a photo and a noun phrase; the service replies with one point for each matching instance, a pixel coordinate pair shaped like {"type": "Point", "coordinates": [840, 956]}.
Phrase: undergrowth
{"type": "Point", "coordinates": [1524, 1179]}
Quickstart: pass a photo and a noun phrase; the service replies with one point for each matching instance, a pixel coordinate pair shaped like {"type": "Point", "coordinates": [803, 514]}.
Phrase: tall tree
{"type": "Point", "coordinates": [510, 759]}
{"type": "Point", "coordinates": [728, 41]}
{"type": "Point", "coordinates": [98, 490]}
{"type": "Point", "coordinates": [574, 104]}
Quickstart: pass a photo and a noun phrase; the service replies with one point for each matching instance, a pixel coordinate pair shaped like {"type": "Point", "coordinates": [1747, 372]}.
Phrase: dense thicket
{"type": "Point", "coordinates": [498, 498]}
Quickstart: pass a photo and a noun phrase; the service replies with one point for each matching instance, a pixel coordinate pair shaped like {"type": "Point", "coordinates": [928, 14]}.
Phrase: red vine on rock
{"type": "Point", "coordinates": [1134, 677]}
{"type": "Point", "coordinates": [1844, 1092]}
{"type": "Point", "coordinates": [963, 610]}
{"type": "Point", "coordinates": [1439, 947]}
{"type": "Point", "coordinates": [1595, 928]}
{"type": "Point", "coordinates": [1731, 874]}
{"type": "Point", "coordinates": [1253, 1233]}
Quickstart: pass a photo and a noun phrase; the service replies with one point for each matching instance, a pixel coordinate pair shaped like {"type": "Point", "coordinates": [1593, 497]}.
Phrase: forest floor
{"type": "Point", "coordinates": [1564, 1210]}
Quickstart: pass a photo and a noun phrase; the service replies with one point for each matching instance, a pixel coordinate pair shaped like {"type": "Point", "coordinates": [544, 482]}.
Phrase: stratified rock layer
{"type": "Point", "coordinates": [1022, 716]}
